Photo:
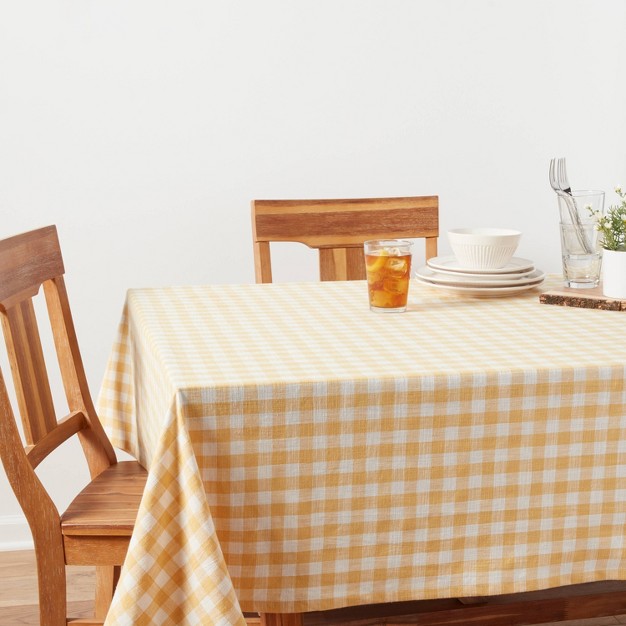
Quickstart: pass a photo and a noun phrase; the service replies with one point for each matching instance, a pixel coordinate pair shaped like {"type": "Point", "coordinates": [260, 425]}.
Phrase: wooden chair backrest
{"type": "Point", "coordinates": [27, 262]}
{"type": "Point", "coordinates": [338, 228]}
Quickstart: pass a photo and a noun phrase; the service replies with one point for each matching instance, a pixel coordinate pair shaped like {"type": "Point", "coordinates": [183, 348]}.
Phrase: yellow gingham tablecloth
{"type": "Point", "coordinates": [305, 453]}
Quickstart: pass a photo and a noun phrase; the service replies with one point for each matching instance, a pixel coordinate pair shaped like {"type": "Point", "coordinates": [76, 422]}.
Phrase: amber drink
{"type": "Point", "coordinates": [388, 265]}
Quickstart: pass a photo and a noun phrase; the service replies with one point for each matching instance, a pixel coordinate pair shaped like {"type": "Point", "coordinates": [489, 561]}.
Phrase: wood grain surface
{"type": "Point", "coordinates": [582, 299]}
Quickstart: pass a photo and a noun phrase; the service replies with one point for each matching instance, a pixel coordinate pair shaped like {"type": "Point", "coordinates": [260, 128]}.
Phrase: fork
{"type": "Point", "coordinates": [554, 183]}
{"type": "Point", "coordinates": [560, 184]}
{"type": "Point", "coordinates": [562, 177]}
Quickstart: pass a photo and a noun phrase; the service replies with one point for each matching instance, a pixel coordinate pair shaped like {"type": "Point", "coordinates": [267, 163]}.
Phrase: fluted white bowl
{"type": "Point", "coordinates": [484, 248]}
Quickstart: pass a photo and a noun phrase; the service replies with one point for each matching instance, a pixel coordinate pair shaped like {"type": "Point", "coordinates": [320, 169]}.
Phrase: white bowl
{"type": "Point", "coordinates": [484, 248]}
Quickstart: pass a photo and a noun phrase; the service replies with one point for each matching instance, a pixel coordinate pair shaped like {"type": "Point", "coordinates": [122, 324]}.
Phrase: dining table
{"type": "Point", "coordinates": [305, 453]}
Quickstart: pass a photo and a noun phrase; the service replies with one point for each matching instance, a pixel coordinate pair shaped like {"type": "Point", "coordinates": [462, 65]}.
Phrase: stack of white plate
{"type": "Point", "coordinates": [445, 272]}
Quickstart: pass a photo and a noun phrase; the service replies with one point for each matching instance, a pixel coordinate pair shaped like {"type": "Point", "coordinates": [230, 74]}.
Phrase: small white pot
{"type": "Point", "coordinates": [614, 274]}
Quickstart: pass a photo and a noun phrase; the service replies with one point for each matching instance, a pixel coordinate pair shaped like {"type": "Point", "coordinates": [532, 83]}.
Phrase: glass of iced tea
{"type": "Point", "coordinates": [388, 265]}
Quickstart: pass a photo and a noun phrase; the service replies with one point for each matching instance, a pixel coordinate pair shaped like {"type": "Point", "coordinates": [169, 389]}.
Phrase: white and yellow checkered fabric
{"type": "Point", "coordinates": [319, 455]}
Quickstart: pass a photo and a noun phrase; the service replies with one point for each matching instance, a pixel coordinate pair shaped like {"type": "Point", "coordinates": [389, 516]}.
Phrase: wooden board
{"type": "Point", "coordinates": [582, 299]}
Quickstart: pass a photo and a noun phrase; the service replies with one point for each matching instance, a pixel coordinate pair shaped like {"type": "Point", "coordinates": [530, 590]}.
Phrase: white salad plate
{"type": "Point", "coordinates": [500, 276]}
{"type": "Point", "coordinates": [469, 280]}
{"type": "Point", "coordinates": [450, 264]}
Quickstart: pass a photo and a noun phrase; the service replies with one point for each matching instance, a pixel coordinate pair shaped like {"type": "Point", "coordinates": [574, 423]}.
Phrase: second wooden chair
{"type": "Point", "coordinates": [338, 228]}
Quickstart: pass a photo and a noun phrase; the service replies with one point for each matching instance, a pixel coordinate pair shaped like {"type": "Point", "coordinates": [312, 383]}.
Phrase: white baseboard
{"type": "Point", "coordinates": [14, 533]}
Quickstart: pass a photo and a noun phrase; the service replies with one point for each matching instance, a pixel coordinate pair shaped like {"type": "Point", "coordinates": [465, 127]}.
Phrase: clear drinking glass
{"type": "Point", "coordinates": [388, 265]}
{"type": "Point", "coordinates": [580, 246]}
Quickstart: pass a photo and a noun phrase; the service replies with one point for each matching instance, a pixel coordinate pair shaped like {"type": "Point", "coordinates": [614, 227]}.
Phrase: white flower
{"type": "Point", "coordinates": [618, 189]}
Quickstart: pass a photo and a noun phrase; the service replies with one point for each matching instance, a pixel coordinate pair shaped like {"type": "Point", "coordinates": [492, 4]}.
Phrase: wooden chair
{"type": "Point", "coordinates": [96, 528]}
{"type": "Point", "coordinates": [338, 228]}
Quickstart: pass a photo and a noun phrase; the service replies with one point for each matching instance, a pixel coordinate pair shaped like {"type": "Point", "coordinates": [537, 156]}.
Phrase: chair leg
{"type": "Point", "coordinates": [52, 590]}
{"type": "Point", "coordinates": [106, 581]}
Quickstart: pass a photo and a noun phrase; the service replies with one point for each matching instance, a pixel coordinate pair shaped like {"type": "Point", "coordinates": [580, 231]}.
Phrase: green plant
{"type": "Point", "coordinates": [612, 226]}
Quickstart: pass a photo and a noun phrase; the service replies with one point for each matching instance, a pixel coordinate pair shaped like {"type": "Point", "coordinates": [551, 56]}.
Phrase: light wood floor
{"type": "Point", "coordinates": [18, 594]}
{"type": "Point", "coordinates": [18, 590]}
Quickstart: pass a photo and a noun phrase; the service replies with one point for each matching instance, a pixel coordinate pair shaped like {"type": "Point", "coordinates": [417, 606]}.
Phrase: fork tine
{"type": "Point", "coordinates": [554, 173]}
{"type": "Point", "coordinates": [566, 184]}
{"type": "Point", "coordinates": [563, 182]}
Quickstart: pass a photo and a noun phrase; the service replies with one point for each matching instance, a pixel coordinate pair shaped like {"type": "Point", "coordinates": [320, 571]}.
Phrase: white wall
{"type": "Point", "coordinates": [143, 129]}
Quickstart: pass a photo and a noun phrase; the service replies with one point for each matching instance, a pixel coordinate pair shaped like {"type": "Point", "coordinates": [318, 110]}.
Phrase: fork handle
{"type": "Point", "coordinates": [573, 211]}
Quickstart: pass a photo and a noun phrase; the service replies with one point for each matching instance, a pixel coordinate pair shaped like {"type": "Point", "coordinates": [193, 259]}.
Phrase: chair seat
{"type": "Point", "coordinates": [108, 505]}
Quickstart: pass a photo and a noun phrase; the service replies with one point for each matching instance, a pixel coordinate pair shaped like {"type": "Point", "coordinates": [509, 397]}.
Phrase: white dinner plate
{"type": "Point", "coordinates": [451, 264]}
{"type": "Point", "coordinates": [469, 280]}
{"type": "Point", "coordinates": [492, 292]}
